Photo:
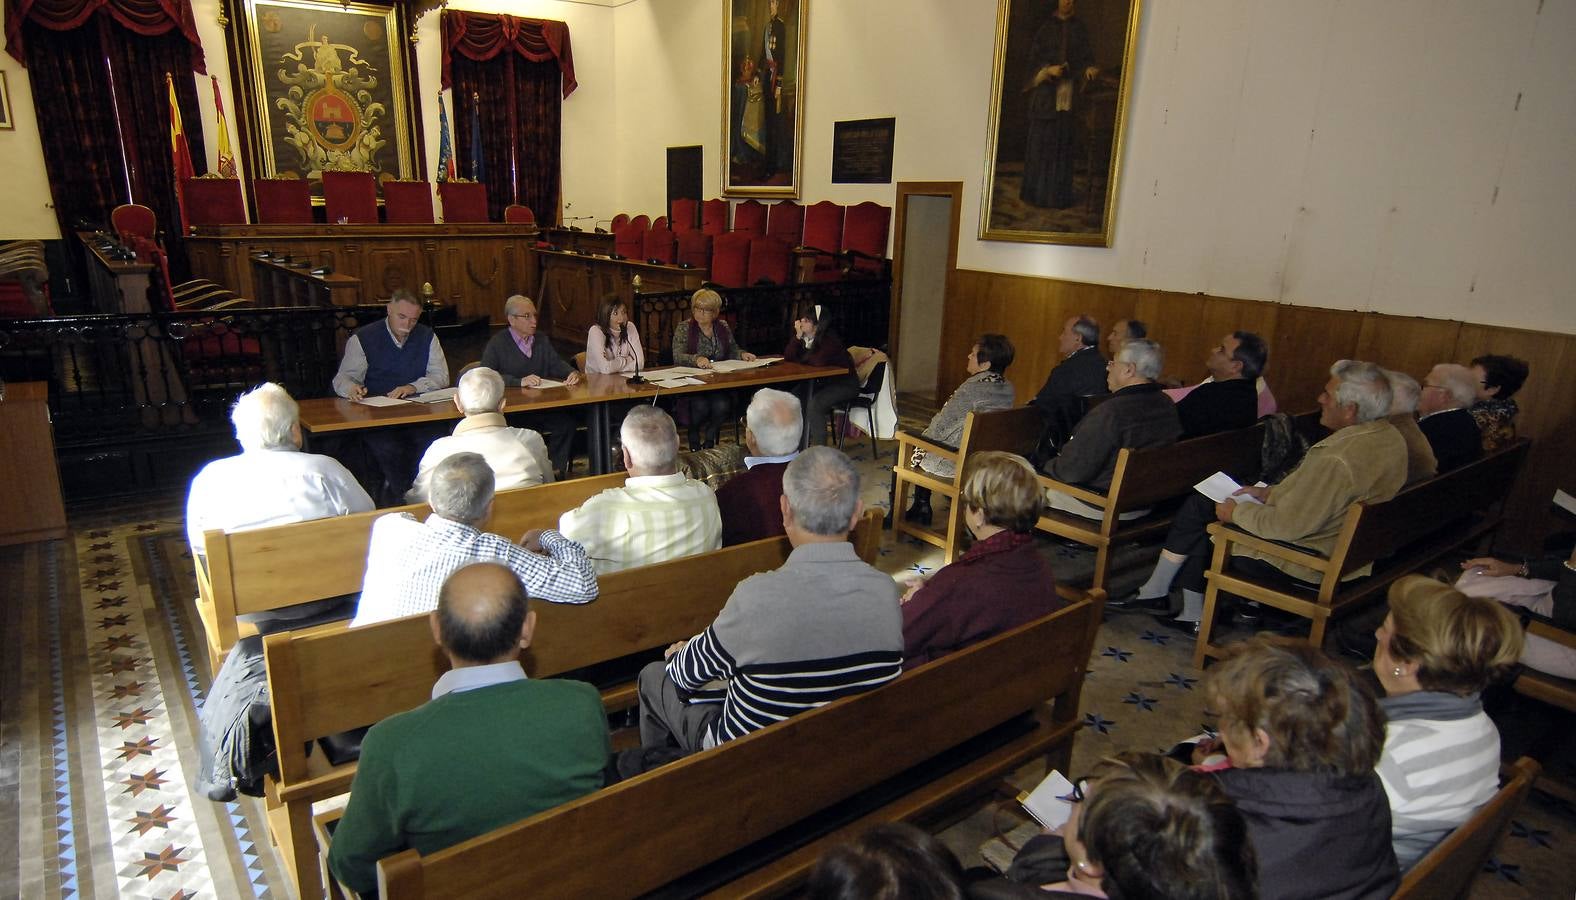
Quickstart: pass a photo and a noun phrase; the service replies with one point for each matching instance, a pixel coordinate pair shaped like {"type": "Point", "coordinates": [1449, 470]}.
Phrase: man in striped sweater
{"type": "Point", "coordinates": [824, 626]}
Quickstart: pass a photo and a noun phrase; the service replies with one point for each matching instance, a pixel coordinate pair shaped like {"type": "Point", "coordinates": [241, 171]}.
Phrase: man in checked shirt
{"type": "Point", "coordinates": [408, 560]}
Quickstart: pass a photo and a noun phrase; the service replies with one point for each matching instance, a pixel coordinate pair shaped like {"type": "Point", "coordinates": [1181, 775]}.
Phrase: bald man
{"type": "Point", "coordinates": [491, 747]}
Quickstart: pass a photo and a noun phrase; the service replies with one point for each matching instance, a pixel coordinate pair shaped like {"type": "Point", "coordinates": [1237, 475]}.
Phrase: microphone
{"type": "Point", "coordinates": [637, 378]}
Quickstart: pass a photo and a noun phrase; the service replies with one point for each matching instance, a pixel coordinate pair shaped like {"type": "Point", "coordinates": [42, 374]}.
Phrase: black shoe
{"type": "Point", "coordinates": [1132, 603]}
{"type": "Point", "coordinates": [1175, 624]}
{"type": "Point", "coordinates": [919, 512]}
{"type": "Point", "coordinates": [1247, 614]}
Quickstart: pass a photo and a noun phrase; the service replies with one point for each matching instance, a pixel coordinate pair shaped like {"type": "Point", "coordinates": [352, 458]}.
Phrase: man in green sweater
{"type": "Point", "coordinates": [490, 748]}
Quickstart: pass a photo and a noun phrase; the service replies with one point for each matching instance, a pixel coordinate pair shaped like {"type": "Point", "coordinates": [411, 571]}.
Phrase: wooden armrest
{"type": "Point", "coordinates": [1232, 535]}
{"type": "Point", "coordinates": [1073, 490]}
{"type": "Point", "coordinates": [330, 784]}
{"type": "Point", "coordinates": [928, 445]}
{"type": "Point", "coordinates": [1544, 627]}
{"type": "Point", "coordinates": [322, 825]}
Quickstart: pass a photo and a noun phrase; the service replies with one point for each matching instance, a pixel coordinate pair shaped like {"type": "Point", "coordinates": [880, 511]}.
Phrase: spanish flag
{"type": "Point", "coordinates": [180, 153]}
{"type": "Point", "coordinates": [226, 158]}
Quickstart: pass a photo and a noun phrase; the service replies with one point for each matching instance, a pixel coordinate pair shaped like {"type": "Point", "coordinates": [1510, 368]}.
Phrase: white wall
{"type": "Point", "coordinates": [29, 211]}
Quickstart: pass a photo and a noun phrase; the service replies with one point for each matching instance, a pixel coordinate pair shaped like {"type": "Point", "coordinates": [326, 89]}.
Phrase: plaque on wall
{"type": "Point", "coordinates": [862, 151]}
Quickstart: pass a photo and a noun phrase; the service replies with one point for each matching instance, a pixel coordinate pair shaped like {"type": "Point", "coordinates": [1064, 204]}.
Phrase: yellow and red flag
{"type": "Point", "coordinates": [226, 157]}
{"type": "Point", "coordinates": [180, 152]}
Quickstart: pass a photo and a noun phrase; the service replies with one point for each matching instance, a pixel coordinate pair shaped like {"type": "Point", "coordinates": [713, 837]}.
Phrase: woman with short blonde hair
{"type": "Point", "coordinates": [1437, 650]}
{"type": "Point", "coordinates": [700, 341]}
{"type": "Point", "coordinates": [1001, 582]}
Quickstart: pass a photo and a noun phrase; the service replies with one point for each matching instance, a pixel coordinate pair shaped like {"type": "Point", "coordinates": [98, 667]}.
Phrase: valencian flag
{"type": "Point", "coordinates": [180, 153]}
{"type": "Point", "coordinates": [226, 158]}
{"type": "Point", "coordinates": [478, 171]}
{"type": "Point", "coordinates": [446, 170]}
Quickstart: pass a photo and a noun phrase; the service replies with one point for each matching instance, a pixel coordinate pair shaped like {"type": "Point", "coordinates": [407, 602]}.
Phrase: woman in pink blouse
{"type": "Point", "coordinates": [612, 344]}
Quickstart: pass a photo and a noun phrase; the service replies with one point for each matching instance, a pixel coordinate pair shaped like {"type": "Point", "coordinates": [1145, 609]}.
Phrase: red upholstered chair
{"type": "Point", "coordinates": [730, 259]}
{"type": "Point", "coordinates": [517, 214]}
{"type": "Point", "coordinates": [407, 202]}
{"type": "Point", "coordinates": [750, 216]}
{"type": "Point", "coordinates": [714, 217]}
{"type": "Point", "coordinates": [770, 260]}
{"type": "Point", "coordinates": [283, 201]}
{"type": "Point", "coordinates": [463, 201]}
{"type": "Point", "coordinates": [865, 237]}
{"type": "Point", "coordinates": [214, 201]}
{"type": "Point", "coordinates": [684, 212]}
{"type": "Point", "coordinates": [694, 249]}
{"type": "Point", "coordinates": [823, 234]}
{"type": "Point", "coordinates": [352, 196]}
{"type": "Point", "coordinates": [657, 244]}
{"type": "Point", "coordinates": [133, 220]}
{"type": "Point", "coordinates": [619, 221]}
{"type": "Point", "coordinates": [785, 222]}
{"type": "Point", "coordinates": [629, 241]}
{"type": "Point", "coordinates": [660, 223]}
{"type": "Point", "coordinates": [642, 221]}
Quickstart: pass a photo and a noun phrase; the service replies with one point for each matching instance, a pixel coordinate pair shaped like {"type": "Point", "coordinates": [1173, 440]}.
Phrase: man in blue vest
{"type": "Point", "coordinates": [397, 357]}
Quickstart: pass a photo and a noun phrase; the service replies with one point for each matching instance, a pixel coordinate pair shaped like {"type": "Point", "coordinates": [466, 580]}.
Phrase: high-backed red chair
{"type": "Point", "coordinates": [516, 214]}
{"type": "Point", "coordinates": [658, 244]}
{"type": "Point", "coordinates": [785, 222]}
{"type": "Point", "coordinates": [730, 259]}
{"type": "Point", "coordinates": [351, 196]}
{"type": "Point", "coordinates": [865, 237]}
{"type": "Point", "coordinates": [694, 249]}
{"type": "Point", "coordinates": [407, 203]}
{"type": "Point", "coordinates": [629, 241]}
{"type": "Point", "coordinates": [714, 217]}
{"type": "Point", "coordinates": [684, 215]}
{"type": "Point", "coordinates": [642, 221]}
{"type": "Point", "coordinates": [463, 201]}
{"type": "Point", "coordinates": [283, 201]}
{"type": "Point", "coordinates": [823, 234]}
{"type": "Point", "coordinates": [770, 260]}
{"type": "Point", "coordinates": [750, 216]}
{"type": "Point", "coordinates": [659, 223]}
{"type": "Point", "coordinates": [133, 220]}
{"type": "Point", "coordinates": [619, 221]}
{"type": "Point", "coordinates": [213, 201]}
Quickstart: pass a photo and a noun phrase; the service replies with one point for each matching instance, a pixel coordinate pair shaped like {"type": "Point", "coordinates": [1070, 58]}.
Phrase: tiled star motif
{"type": "Point", "coordinates": [919, 569]}
{"type": "Point", "coordinates": [98, 534]}
{"type": "Point", "coordinates": [1155, 637]}
{"type": "Point", "coordinates": [1535, 835]}
{"type": "Point", "coordinates": [129, 689]}
{"type": "Point", "coordinates": [151, 780]}
{"type": "Point", "coordinates": [1117, 654]}
{"type": "Point", "coordinates": [147, 820]}
{"type": "Point", "coordinates": [1098, 723]}
{"type": "Point", "coordinates": [104, 557]}
{"type": "Point", "coordinates": [105, 573]}
{"type": "Point", "coordinates": [167, 860]}
{"type": "Point", "coordinates": [138, 716]}
{"type": "Point", "coordinates": [107, 602]}
{"type": "Point", "coordinates": [1137, 699]}
{"type": "Point", "coordinates": [118, 664]}
{"type": "Point", "coordinates": [146, 526]}
{"type": "Point", "coordinates": [108, 586]}
{"type": "Point", "coordinates": [117, 642]}
{"type": "Point", "coordinates": [118, 621]}
{"type": "Point", "coordinates": [1507, 871]}
{"type": "Point", "coordinates": [143, 747]}
{"type": "Point", "coordinates": [183, 894]}
{"type": "Point", "coordinates": [1181, 681]}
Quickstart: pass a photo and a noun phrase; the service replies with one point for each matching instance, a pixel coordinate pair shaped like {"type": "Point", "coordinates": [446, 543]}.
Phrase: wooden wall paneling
{"type": "Point", "coordinates": [1188, 326]}
{"type": "Point", "coordinates": [1307, 342]}
{"type": "Point", "coordinates": [1407, 343]}
{"type": "Point", "coordinates": [389, 268]}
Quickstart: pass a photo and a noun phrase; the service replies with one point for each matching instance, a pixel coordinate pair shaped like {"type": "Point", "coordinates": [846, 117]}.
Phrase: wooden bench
{"type": "Point", "coordinates": [264, 569]}
{"type": "Point", "coordinates": [1448, 870]}
{"type": "Point", "coordinates": [327, 680]}
{"type": "Point", "coordinates": [1013, 430]}
{"type": "Point", "coordinates": [941, 734]}
{"type": "Point", "coordinates": [1150, 479]}
{"type": "Point", "coordinates": [1398, 536]}
{"type": "Point", "coordinates": [1550, 689]}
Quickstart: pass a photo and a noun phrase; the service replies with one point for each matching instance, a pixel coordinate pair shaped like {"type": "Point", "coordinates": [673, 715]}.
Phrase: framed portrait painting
{"type": "Point", "coordinates": [763, 47]}
{"type": "Point", "coordinates": [1059, 102]}
{"type": "Point", "coordinates": [325, 86]}
{"type": "Point", "coordinates": [6, 122]}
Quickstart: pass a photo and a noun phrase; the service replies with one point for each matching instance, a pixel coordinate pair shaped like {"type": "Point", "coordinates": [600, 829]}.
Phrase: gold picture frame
{"type": "Point", "coordinates": [1059, 104]}
{"type": "Point", "coordinates": [7, 118]}
{"type": "Point", "coordinates": [325, 86]}
{"type": "Point", "coordinates": [763, 58]}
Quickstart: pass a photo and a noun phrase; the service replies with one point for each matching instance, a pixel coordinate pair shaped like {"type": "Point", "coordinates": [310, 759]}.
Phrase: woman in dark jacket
{"type": "Point", "coordinates": [814, 343]}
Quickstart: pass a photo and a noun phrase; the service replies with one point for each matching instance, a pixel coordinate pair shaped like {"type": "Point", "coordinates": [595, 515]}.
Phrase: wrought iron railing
{"type": "Point", "coordinates": [761, 316]}
{"type": "Point", "coordinates": [109, 374]}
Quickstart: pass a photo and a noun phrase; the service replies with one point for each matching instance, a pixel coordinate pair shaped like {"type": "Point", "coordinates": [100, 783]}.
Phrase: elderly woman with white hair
{"type": "Point", "coordinates": [271, 482]}
{"type": "Point", "coordinates": [1404, 394]}
{"type": "Point", "coordinates": [518, 456]}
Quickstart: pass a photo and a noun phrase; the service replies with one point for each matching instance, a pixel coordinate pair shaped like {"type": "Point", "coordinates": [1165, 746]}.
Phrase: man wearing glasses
{"type": "Point", "coordinates": [526, 360]}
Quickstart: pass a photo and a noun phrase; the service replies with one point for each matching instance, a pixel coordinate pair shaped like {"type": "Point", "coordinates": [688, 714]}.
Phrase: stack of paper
{"type": "Point", "coordinates": [380, 400]}
{"type": "Point", "coordinates": [1221, 487]}
{"type": "Point", "coordinates": [739, 365]}
{"type": "Point", "coordinates": [677, 382]}
{"type": "Point", "coordinates": [437, 396]}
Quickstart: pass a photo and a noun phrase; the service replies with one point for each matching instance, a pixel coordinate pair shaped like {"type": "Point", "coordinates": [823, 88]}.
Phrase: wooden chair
{"type": "Point", "coordinates": [785, 222]}
{"type": "Point", "coordinates": [516, 214]}
{"type": "Point", "coordinates": [629, 241]}
{"type": "Point", "coordinates": [685, 214]}
{"type": "Point", "coordinates": [1550, 689]}
{"type": "Point", "coordinates": [351, 196]}
{"type": "Point", "coordinates": [463, 201]}
{"type": "Point", "coordinates": [134, 219]}
{"type": "Point", "coordinates": [283, 201]}
{"type": "Point", "coordinates": [1150, 479]}
{"type": "Point", "coordinates": [407, 203]}
{"type": "Point", "coordinates": [714, 217]}
{"type": "Point", "coordinates": [865, 238]}
{"type": "Point", "coordinates": [910, 750]}
{"type": "Point", "coordinates": [694, 249]}
{"type": "Point", "coordinates": [660, 223]}
{"type": "Point", "coordinates": [1013, 430]}
{"type": "Point", "coordinates": [769, 262]}
{"type": "Point", "coordinates": [1398, 537]}
{"type": "Point", "coordinates": [730, 259]}
{"type": "Point", "coordinates": [619, 221]}
{"type": "Point", "coordinates": [750, 216]}
{"type": "Point", "coordinates": [642, 221]}
{"type": "Point", "coordinates": [823, 241]}
{"type": "Point", "coordinates": [214, 201]}
{"type": "Point", "coordinates": [1447, 872]}
{"type": "Point", "coordinates": [657, 246]}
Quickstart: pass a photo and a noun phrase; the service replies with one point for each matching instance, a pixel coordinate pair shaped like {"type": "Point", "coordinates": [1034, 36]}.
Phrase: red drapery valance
{"type": "Point", "coordinates": [145, 17]}
{"type": "Point", "coordinates": [482, 36]}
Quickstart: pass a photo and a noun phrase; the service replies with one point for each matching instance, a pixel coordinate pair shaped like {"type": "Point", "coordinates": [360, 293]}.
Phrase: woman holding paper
{"type": "Point", "coordinates": [613, 344]}
{"type": "Point", "coordinates": [699, 341]}
{"type": "Point", "coordinates": [815, 343]}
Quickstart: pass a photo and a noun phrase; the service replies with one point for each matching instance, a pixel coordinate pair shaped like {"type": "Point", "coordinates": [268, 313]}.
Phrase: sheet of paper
{"type": "Point", "coordinates": [381, 400]}
{"type": "Point", "coordinates": [547, 383]}
{"type": "Point", "coordinates": [1565, 501]}
{"type": "Point", "coordinates": [739, 365]}
{"type": "Point", "coordinates": [437, 396]}
{"type": "Point", "coordinates": [678, 382]}
{"type": "Point", "coordinates": [675, 372]}
{"type": "Point", "coordinates": [1219, 487]}
{"type": "Point", "coordinates": [1048, 803]}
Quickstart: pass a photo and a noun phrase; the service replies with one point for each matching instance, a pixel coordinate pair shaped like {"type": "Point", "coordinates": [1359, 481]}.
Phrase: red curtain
{"type": "Point", "coordinates": [521, 126]}
{"type": "Point", "coordinates": [148, 18]}
{"type": "Point", "coordinates": [481, 36]}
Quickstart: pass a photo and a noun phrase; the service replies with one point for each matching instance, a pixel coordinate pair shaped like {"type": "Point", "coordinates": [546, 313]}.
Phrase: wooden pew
{"type": "Point", "coordinates": [1398, 536]}
{"type": "Point", "coordinates": [1151, 478]}
{"type": "Point", "coordinates": [1013, 430]}
{"type": "Point", "coordinates": [897, 747]}
{"type": "Point", "coordinates": [269, 568]}
{"type": "Point", "coordinates": [326, 680]}
{"type": "Point", "coordinates": [1550, 689]}
{"type": "Point", "coordinates": [1448, 870]}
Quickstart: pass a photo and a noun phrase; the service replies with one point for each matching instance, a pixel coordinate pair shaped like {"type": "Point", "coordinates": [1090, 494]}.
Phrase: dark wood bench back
{"type": "Point", "coordinates": [1156, 474]}
{"type": "Point", "coordinates": [643, 833]}
{"type": "Point", "coordinates": [1015, 430]}
{"type": "Point", "coordinates": [1380, 530]}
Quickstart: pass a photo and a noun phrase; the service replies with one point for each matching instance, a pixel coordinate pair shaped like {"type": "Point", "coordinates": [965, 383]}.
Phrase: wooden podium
{"type": "Point", "coordinates": [30, 505]}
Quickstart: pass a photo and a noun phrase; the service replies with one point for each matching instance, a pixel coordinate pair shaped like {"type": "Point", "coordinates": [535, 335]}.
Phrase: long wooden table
{"type": "Point", "coordinates": [596, 394]}
{"type": "Point", "coordinates": [573, 285]}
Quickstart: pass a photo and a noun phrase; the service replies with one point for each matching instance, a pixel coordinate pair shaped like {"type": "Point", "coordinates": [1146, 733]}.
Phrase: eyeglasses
{"type": "Point", "coordinates": [522, 315]}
